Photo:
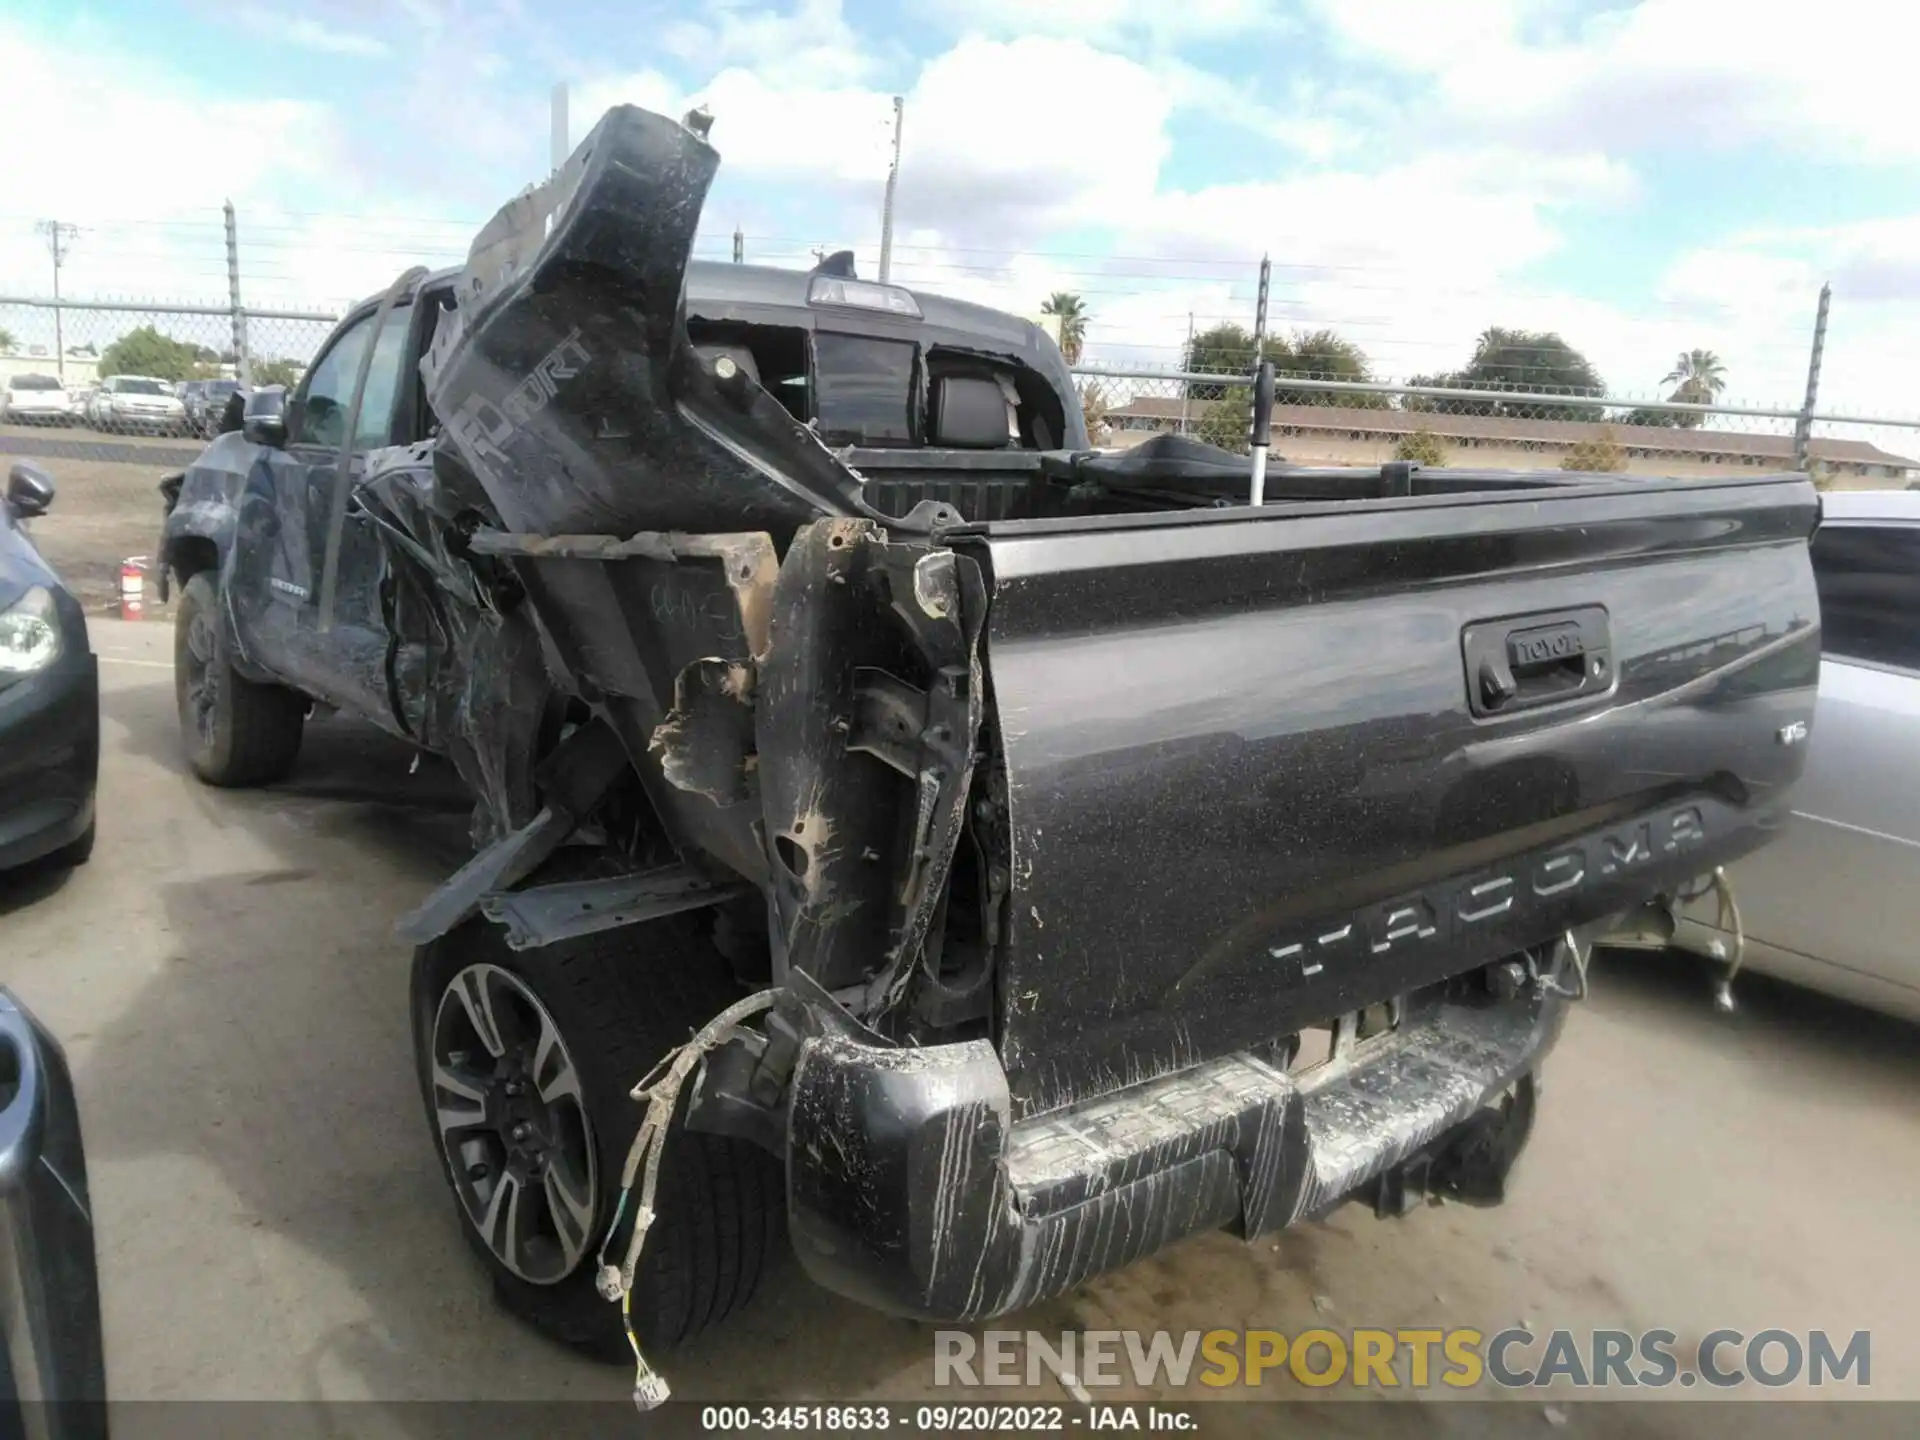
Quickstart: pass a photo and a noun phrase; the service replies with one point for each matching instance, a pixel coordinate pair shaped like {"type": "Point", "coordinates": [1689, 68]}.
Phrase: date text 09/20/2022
{"type": "Point", "coordinates": [939, 1419]}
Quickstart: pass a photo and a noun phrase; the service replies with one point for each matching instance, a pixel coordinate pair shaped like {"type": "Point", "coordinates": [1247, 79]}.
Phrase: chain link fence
{"type": "Point", "coordinates": [1518, 402]}
{"type": "Point", "coordinates": [164, 360]}
{"type": "Point", "coordinates": [1322, 420]}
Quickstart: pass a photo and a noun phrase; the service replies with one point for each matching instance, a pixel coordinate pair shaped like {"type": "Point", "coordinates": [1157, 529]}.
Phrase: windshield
{"type": "Point", "coordinates": [140, 387]}
{"type": "Point", "coordinates": [222, 387]}
{"type": "Point", "coordinates": [33, 382]}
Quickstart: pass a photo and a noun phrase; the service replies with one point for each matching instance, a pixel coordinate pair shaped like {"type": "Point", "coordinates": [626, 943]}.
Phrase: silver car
{"type": "Point", "coordinates": [1834, 904]}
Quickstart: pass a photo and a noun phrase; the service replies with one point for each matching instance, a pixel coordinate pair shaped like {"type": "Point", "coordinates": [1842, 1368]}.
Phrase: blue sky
{"type": "Point", "coordinates": [1640, 176]}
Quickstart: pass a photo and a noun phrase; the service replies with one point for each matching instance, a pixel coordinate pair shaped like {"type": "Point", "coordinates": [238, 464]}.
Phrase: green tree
{"type": "Point", "coordinates": [1599, 455]}
{"type": "Point", "coordinates": [7, 343]}
{"type": "Point", "coordinates": [1667, 419]}
{"type": "Point", "coordinates": [276, 372]}
{"type": "Point", "coordinates": [1422, 447]}
{"type": "Point", "coordinates": [1320, 355]}
{"type": "Point", "coordinates": [1228, 349]}
{"type": "Point", "coordinates": [1093, 409]}
{"type": "Point", "coordinates": [1225, 349]}
{"type": "Point", "coordinates": [1698, 378]}
{"type": "Point", "coordinates": [1071, 311]}
{"type": "Point", "coordinates": [1530, 360]}
{"type": "Point", "coordinates": [146, 351]}
{"type": "Point", "coordinates": [1228, 420]}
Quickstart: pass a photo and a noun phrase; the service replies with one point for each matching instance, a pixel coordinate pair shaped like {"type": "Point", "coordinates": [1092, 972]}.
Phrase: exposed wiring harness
{"type": "Point", "coordinates": [660, 1090]}
{"type": "Point", "coordinates": [1550, 981]}
{"type": "Point", "coordinates": [1727, 915]}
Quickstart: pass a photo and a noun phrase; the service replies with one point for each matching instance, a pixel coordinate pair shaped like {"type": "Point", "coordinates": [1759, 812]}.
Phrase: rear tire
{"type": "Point", "coordinates": [616, 1001]}
{"type": "Point", "coordinates": [236, 732]}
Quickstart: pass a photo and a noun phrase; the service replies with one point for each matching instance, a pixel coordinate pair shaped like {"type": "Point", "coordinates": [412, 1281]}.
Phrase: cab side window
{"type": "Point", "coordinates": [1869, 582]}
{"type": "Point", "coordinates": [329, 395]}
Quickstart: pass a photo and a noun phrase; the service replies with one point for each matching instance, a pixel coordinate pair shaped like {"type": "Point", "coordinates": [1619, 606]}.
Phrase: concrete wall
{"type": "Point", "coordinates": [79, 369]}
{"type": "Point", "coordinates": [1332, 447]}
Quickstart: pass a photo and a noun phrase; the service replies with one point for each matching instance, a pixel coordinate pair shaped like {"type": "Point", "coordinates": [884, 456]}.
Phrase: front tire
{"type": "Point", "coordinates": [526, 1060]}
{"type": "Point", "coordinates": [236, 732]}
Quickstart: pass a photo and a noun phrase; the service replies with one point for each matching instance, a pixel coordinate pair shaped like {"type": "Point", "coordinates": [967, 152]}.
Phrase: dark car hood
{"type": "Point", "coordinates": [21, 567]}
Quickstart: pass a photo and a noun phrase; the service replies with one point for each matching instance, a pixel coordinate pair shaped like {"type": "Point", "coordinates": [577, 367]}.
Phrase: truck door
{"type": "Point", "coordinates": [343, 665]}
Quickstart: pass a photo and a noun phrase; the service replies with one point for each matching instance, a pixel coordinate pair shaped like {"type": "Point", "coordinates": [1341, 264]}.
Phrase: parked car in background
{"type": "Point", "coordinates": [49, 694]}
{"type": "Point", "coordinates": [36, 400]}
{"type": "Point", "coordinates": [127, 403]}
{"type": "Point", "coordinates": [205, 402]}
{"type": "Point", "coordinates": [1834, 904]}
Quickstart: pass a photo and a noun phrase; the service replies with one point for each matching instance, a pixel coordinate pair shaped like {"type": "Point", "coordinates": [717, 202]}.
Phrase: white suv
{"type": "Point", "coordinates": [36, 399]}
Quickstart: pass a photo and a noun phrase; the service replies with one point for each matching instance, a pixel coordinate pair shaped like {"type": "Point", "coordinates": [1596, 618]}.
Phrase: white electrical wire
{"type": "Point", "coordinates": [660, 1089]}
{"type": "Point", "coordinates": [1726, 909]}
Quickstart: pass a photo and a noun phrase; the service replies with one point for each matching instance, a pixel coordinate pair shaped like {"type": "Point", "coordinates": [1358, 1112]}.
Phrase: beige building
{"type": "Point", "coordinates": [1340, 435]}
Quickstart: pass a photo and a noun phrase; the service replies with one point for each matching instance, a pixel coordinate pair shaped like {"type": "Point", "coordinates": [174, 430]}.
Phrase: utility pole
{"type": "Point", "coordinates": [1186, 386]}
{"type": "Point", "coordinates": [1803, 429]}
{"type": "Point", "coordinates": [59, 240]}
{"type": "Point", "coordinates": [242, 362]}
{"type": "Point", "coordinates": [886, 208]}
{"type": "Point", "coordinates": [739, 246]}
{"type": "Point", "coordinates": [557, 127]}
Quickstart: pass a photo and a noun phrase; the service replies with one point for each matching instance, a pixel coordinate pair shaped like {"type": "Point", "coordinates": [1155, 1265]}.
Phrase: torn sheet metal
{"type": "Point", "coordinates": [705, 745]}
{"type": "Point", "coordinates": [547, 914]}
{"type": "Point", "coordinates": [625, 619]}
{"type": "Point", "coordinates": [866, 718]}
{"type": "Point", "coordinates": [565, 378]}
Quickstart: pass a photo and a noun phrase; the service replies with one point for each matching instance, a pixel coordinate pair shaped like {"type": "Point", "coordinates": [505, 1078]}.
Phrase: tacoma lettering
{"type": "Point", "coordinates": [1451, 912]}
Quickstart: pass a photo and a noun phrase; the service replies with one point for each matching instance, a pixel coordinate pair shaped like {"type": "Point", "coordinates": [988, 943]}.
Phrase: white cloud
{"type": "Point", "coordinates": [1691, 74]}
{"type": "Point", "coordinates": [984, 160]}
{"type": "Point", "coordinates": [979, 163]}
{"type": "Point", "coordinates": [306, 33]}
{"type": "Point", "coordinates": [1105, 22]}
{"type": "Point", "coordinates": [812, 41]}
{"type": "Point", "coordinates": [154, 229]}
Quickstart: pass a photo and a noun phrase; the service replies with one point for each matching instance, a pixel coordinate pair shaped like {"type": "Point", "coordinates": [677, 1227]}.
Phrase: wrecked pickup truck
{"type": "Point", "coordinates": [1051, 854]}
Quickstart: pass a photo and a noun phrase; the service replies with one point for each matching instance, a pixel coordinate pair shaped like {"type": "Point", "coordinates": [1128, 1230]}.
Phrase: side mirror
{"type": "Point", "coordinates": [265, 419]}
{"type": "Point", "coordinates": [29, 490]}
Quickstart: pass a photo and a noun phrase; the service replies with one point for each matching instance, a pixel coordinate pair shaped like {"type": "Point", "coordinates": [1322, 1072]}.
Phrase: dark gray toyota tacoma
{"type": "Point", "coordinates": [1109, 859]}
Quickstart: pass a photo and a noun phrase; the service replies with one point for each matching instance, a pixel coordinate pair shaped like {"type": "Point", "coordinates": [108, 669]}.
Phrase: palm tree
{"type": "Point", "coordinates": [1699, 377]}
{"type": "Point", "coordinates": [1072, 313]}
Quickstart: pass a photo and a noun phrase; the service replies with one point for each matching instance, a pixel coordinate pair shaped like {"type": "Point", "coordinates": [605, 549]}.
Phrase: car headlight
{"type": "Point", "coordinates": [29, 634]}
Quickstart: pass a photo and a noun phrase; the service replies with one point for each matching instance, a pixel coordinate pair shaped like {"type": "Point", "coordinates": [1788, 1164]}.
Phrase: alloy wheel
{"type": "Point", "coordinates": [513, 1126]}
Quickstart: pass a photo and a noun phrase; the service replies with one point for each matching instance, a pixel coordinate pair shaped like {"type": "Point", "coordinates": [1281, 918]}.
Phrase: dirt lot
{"type": "Point", "coordinates": [102, 513]}
{"type": "Point", "coordinates": [271, 1223]}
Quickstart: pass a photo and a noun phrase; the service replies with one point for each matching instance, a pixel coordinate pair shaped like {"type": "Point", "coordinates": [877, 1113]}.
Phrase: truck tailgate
{"type": "Point", "coordinates": [1256, 778]}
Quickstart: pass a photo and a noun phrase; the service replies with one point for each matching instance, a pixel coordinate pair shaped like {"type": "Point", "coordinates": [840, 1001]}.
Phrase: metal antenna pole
{"type": "Point", "coordinates": [59, 238]}
{"type": "Point", "coordinates": [1803, 428]}
{"type": "Point", "coordinates": [558, 127]}
{"type": "Point", "coordinates": [1260, 312]}
{"type": "Point", "coordinates": [886, 207]}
